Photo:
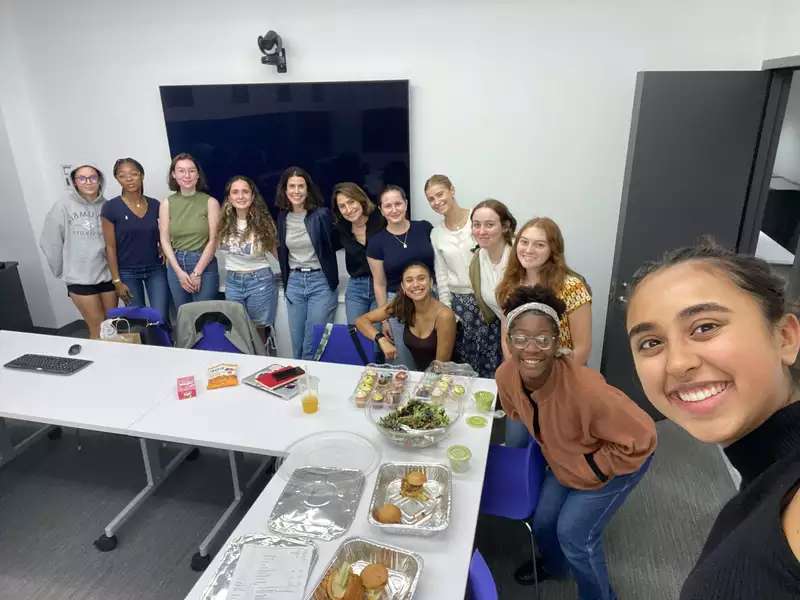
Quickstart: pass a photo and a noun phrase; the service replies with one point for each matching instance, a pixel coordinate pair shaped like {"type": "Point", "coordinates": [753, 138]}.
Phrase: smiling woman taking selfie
{"type": "Point", "coordinates": [714, 340]}
{"type": "Point", "coordinates": [597, 442]}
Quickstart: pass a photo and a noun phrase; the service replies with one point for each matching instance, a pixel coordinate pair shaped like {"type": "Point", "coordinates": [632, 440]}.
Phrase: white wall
{"type": "Point", "coordinates": [527, 101]}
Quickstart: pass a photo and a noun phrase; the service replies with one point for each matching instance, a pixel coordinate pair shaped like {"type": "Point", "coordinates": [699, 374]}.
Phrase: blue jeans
{"type": "Point", "coordinates": [256, 291]}
{"type": "Point", "coordinates": [359, 297]}
{"type": "Point", "coordinates": [309, 301]}
{"type": "Point", "coordinates": [154, 281]}
{"type": "Point", "coordinates": [568, 526]}
{"type": "Point", "coordinates": [209, 282]}
{"type": "Point", "coordinates": [404, 356]}
{"type": "Point", "coordinates": [517, 435]}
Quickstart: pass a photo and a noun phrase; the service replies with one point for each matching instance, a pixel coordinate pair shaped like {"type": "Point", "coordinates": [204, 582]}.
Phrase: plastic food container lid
{"type": "Point", "coordinates": [459, 453]}
{"type": "Point", "coordinates": [332, 449]}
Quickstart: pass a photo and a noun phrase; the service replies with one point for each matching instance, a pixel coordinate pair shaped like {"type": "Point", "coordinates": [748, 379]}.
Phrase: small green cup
{"type": "Point", "coordinates": [483, 400]}
{"type": "Point", "coordinates": [459, 458]}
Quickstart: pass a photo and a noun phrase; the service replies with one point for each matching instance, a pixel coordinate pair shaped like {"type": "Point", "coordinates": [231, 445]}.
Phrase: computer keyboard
{"type": "Point", "coordinates": [56, 365]}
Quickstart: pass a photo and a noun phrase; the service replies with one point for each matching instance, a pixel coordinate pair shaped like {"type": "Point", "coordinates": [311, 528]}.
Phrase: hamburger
{"type": "Point", "coordinates": [412, 485]}
{"type": "Point", "coordinates": [387, 513]}
{"type": "Point", "coordinates": [343, 584]}
{"type": "Point", "coordinates": [374, 577]}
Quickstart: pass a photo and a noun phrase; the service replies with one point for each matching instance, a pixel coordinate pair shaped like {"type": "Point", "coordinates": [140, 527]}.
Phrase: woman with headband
{"type": "Point", "coordinates": [597, 442]}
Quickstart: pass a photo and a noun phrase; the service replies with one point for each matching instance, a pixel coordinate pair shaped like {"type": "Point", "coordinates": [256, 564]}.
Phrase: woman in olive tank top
{"type": "Point", "coordinates": [188, 225]}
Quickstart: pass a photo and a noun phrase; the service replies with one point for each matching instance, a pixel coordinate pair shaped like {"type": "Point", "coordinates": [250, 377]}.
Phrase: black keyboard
{"type": "Point", "coordinates": [56, 365]}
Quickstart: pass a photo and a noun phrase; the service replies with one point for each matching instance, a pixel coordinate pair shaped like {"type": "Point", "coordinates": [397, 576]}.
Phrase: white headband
{"type": "Point", "coordinates": [548, 310]}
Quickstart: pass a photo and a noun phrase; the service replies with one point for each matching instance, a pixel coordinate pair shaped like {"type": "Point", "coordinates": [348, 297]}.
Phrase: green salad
{"type": "Point", "coordinates": [416, 415]}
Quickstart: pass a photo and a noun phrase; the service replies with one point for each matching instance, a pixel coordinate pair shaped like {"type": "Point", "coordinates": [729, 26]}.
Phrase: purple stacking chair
{"type": "Point", "coordinates": [480, 584]}
{"type": "Point", "coordinates": [512, 484]}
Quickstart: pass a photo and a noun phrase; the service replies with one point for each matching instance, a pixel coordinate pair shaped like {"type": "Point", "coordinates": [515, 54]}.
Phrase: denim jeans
{"type": "Point", "coordinates": [154, 281]}
{"type": "Point", "coordinates": [404, 356]}
{"type": "Point", "coordinates": [209, 282]}
{"type": "Point", "coordinates": [256, 291]}
{"type": "Point", "coordinates": [568, 526]}
{"type": "Point", "coordinates": [517, 435]}
{"type": "Point", "coordinates": [359, 297]}
{"type": "Point", "coordinates": [309, 301]}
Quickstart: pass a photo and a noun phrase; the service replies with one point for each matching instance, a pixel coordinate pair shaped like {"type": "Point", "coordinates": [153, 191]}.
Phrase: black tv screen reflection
{"type": "Point", "coordinates": [343, 131]}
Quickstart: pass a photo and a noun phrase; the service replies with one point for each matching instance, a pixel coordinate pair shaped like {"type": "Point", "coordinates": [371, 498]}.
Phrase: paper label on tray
{"type": "Point", "coordinates": [271, 573]}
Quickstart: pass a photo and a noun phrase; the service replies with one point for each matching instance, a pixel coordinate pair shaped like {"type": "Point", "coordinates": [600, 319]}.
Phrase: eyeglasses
{"type": "Point", "coordinates": [86, 179]}
{"type": "Point", "coordinates": [520, 341]}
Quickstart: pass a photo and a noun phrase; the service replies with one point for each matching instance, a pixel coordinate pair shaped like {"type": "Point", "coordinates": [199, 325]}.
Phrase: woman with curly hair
{"type": "Point", "coordinates": [597, 442]}
{"type": "Point", "coordinates": [247, 236]}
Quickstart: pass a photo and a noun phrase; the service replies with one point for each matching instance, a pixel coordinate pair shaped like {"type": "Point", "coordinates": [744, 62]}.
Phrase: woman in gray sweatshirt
{"type": "Point", "coordinates": [72, 241]}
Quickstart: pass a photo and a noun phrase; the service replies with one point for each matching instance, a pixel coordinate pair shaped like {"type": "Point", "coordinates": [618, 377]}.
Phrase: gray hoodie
{"type": "Point", "coordinates": [72, 237]}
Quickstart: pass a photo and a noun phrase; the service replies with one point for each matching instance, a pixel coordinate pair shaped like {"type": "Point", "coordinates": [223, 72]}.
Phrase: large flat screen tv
{"type": "Point", "coordinates": [339, 131]}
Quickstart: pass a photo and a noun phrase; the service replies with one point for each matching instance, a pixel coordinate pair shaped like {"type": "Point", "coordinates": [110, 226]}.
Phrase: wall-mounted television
{"type": "Point", "coordinates": [337, 131]}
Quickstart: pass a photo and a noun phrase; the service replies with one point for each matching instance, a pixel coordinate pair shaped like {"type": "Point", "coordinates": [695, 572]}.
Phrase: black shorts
{"type": "Point", "coordinates": [90, 290]}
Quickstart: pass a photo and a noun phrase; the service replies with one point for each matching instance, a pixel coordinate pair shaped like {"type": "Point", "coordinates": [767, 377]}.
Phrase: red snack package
{"type": "Point", "coordinates": [186, 387]}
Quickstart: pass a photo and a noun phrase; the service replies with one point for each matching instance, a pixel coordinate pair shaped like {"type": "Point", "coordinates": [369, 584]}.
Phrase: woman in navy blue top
{"type": "Point", "coordinates": [130, 229]}
{"type": "Point", "coordinates": [389, 252]}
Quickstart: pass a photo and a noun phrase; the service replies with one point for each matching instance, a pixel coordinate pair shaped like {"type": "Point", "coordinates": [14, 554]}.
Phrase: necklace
{"type": "Point", "coordinates": [138, 204]}
{"type": "Point", "coordinates": [403, 241]}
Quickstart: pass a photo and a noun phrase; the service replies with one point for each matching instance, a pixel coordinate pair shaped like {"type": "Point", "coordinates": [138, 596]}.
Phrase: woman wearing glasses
{"type": "Point", "coordinates": [188, 222]}
{"type": "Point", "coordinates": [597, 442]}
{"type": "Point", "coordinates": [130, 228]}
{"type": "Point", "coordinates": [72, 242]}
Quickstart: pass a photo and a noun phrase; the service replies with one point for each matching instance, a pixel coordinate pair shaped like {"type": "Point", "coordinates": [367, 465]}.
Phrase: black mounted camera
{"type": "Point", "coordinates": [271, 47]}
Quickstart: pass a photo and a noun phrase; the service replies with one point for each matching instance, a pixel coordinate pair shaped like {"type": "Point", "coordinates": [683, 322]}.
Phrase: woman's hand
{"type": "Point", "coordinates": [123, 292]}
{"type": "Point", "coordinates": [187, 282]}
{"type": "Point", "coordinates": [387, 347]}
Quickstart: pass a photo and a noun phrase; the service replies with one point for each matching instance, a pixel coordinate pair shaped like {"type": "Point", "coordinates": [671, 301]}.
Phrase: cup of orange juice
{"type": "Point", "coordinates": [310, 399]}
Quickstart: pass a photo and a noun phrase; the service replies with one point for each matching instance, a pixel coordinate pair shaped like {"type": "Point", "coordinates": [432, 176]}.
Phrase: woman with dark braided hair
{"type": "Point", "coordinates": [715, 341]}
{"type": "Point", "coordinates": [247, 236]}
{"type": "Point", "coordinates": [130, 229]}
{"type": "Point", "coordinates": [429, 330]}
{"type": "Point", "coordinates": [597, 442]}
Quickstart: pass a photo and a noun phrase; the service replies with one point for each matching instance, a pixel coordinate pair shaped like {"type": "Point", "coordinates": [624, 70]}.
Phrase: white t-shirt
{"type": "Point", "coordinates": [451, 257]}
{"type": "Point", "coordinates": [491, 274]}
{"type": "Point", "coordinates": [244, 254]}
{"type": "Point", "coordinates": [298, 242]}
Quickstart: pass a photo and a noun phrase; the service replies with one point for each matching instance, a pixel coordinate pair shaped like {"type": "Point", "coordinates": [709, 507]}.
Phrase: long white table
{"type": "Point", "coordinates": [130, 390]}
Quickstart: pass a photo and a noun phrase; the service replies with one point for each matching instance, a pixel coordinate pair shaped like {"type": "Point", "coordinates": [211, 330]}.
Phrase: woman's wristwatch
{"type": "Point", "coordinates": [195, 274]}
{"type": "Point", "coordinates": [378, 337]}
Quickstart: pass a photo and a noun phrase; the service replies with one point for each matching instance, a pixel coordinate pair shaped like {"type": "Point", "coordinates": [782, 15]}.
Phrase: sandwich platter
{"type": "Point", "coordinates": [404, 568]}
{"type": "Point", "coordinates": [219, 587]}
{"type": "Point", "coordinates": [423, 510]}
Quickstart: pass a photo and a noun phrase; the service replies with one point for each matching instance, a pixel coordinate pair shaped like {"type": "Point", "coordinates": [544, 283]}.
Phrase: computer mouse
{"type": "Point", "coordinates": [74, 349]}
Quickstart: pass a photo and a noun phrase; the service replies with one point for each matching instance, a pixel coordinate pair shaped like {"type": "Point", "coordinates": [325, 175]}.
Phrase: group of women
{"type": "Point", "coordinates": [713, 336]}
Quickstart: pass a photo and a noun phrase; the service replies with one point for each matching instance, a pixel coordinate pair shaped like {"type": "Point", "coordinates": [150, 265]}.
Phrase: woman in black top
{"type": "Point", "coordinates": [356, 220]}
{"type": "Point", "coordinates": [715, 341]}
{"type": "Point", "coordinates": [429, 327]}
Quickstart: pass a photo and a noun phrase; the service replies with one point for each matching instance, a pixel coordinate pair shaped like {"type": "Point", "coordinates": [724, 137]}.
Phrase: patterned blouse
{"type": "Point", "coordinates": [574, 294]}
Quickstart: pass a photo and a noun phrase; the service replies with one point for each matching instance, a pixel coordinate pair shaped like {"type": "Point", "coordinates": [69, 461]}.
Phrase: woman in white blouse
{"type": "Point", "coordinates": [452, 247]}
{"type": "Point", "coordinates": [493, 228]}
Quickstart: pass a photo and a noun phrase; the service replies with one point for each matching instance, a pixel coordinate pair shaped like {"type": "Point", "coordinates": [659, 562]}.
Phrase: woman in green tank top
{"type": "Point", "coordinates": [188, 225]}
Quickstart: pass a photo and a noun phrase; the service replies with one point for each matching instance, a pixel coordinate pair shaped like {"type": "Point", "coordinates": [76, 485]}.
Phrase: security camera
{"type": "Point", "coordinates": [271, 47]}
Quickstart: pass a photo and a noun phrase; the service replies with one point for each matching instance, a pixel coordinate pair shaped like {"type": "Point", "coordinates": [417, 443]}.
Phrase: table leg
{"type": "Point", "coordinates": [202, 558]}
{"type": "Point", "coordinates": [9, 451]}
{"type": "Point", "coordinates": [156, 473]}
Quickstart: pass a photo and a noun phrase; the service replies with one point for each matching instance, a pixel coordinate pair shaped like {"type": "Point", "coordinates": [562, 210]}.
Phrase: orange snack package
{"type": "Point", "coordinates": [222, 375]}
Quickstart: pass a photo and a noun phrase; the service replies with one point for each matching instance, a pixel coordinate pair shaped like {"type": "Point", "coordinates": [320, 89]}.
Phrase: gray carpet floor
{"type": "Point", "coordinates": [55, 500]}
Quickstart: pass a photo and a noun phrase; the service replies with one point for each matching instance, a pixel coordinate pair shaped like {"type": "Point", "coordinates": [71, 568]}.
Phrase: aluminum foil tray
{"type": "Point", "coordinates": [404, 567]}
{"type": "Point", "coordinates": [419, 517]}
{"type": "Point", "coordinates": [220, 584]}
{"type": "Point", "coordinates": [317, 502]}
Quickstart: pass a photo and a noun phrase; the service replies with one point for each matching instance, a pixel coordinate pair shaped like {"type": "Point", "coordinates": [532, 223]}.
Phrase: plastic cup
{"type": "Point", "coordinates": [483, 400]}
{"type": "Point", "coordinates": [310, 400]}
{"type": "Point", "coordinates": [459, 458]}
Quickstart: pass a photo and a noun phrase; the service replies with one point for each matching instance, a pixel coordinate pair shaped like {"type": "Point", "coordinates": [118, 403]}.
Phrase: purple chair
{"type": "Point", "coordinates": [512, 484]}
{"type": "Point", "coordinates": [480, 584]}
